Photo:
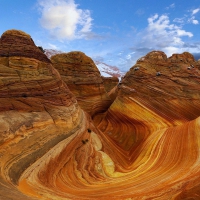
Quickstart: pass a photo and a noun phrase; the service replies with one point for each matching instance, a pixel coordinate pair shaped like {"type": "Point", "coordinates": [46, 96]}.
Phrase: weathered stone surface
{"type": "Point", "coordinates": [19, 43]}
{"type": "Point", "coordinates": [84, 80]}
{"type": "Point", "coordinates": [146, 146]}
{"type": "Point", "coordinates": [157, 109]}
{"type": "Point", "coordinates": [157, 92]}
{"type": "Point", "coordinates": [37, 110]}
{"type": "Point", "coordinates": [110, 83]}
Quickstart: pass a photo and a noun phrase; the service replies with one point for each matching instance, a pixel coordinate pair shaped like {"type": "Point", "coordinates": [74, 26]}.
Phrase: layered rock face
{"type": "Point", "coordinates": [157, 92]}
{"type": "Point", "coordinates": [83, 78]}
{"type": "Point", "coordinates": [110, 83]}
{"type": "Point", "coordinates": [146, 146]}
{"type": "Point", "coordinates": [37, 112]}
{"type": "Point", "coordinates": [154, 126]}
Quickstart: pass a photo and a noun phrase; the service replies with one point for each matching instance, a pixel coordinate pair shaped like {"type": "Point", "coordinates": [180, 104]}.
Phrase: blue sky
{"type": "Point", "coordinates": [115, 32]}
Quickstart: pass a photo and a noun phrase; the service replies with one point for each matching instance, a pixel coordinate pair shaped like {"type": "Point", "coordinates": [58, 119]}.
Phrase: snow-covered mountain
{"type": "Point", "coordinates": [51, 52]}
{"type": "Point", "coordinates": [108, 70]}
{"type": "Point", "coordinates": [105, 69]}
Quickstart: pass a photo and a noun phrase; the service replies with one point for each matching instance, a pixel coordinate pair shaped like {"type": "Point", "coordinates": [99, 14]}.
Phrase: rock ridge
{"type": "Point", "coordinates": [84, 80]}
{"type": "Point", "coordinates": [145, 146]}
{"type": "Point", "coordinates": [18, 43]}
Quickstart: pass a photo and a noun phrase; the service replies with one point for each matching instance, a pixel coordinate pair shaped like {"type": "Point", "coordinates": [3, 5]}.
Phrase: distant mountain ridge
{"type": "Point", "coordinates": [51, 52]}
{"type": "Point", "coordinates": [108, 70]}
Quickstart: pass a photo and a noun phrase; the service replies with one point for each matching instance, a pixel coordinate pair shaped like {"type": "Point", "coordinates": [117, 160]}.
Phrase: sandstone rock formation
{"type": "Point", "coordinates": [37, 111]}
{"type": "Point", "coordinates": [154, 126]}
{"type": "Point", "coordinates": [111, 86]}
{"type": "Point", "coordinates": [157, 92]}
{"type": "Point", "coordinates": [110, 83]}
{"type": "Point", "coordinates": [83, 78]}
{"type": "Point", "coordinates": [146, 146]}
{"type": "Point", "coordinates": [105, 69]}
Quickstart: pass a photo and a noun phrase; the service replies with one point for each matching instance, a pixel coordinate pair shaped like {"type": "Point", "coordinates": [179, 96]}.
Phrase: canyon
{"type": "Point", "coordinates": [66, 132]}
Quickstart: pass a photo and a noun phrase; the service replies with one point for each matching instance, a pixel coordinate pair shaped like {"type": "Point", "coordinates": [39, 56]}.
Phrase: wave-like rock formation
{"type": "Point", "coordinates": [83, 78]}
{"type": "Point", "coordinates": [146, 146]}
{"type": "Point", "coordinates": [150, 125]}
{"type": "Point", "coordinates": [158, 92]}
{"type": "Point", "coordinates": [37, 111]}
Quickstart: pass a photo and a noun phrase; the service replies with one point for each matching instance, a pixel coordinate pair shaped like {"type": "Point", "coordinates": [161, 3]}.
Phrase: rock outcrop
{"type": "Point", "coordinates": [146, 146]}
{"type": "Point", "coordinates": [110, 83]}
{"type": "Point", "coordinates": [37, 112]}
{"type": "Point", "coordinates": [154, 124]}
{"type": "Point", "coordinates": [157, 92]}
{"type": "Point", "coordinates": [83, 78]}
{"type": "Point", "coordinates": [105, 69]}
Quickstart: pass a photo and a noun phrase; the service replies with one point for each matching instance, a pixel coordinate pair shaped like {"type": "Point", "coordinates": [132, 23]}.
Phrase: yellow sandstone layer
{"type": "Point", "coordinates": [145, 146]}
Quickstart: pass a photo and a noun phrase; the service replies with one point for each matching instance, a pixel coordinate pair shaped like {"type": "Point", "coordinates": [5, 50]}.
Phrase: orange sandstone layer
{"type": "Point", "coordinates": [146, 146]}
{"type": "Point", "coordinates": [166, 167]}
{"type": "Point", "coordinates": [156, 96]}
{"type": "Point", "coordinates": [158, 92]}
{"type": "Point", "coordinates": [83, 78]}
{"type": "Point", "coordinates": [37, 110]}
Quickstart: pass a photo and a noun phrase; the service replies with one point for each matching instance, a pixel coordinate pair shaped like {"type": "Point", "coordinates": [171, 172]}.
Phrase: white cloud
{"type": "Point", "coordinates": [193, 20]}
{"type": "Point", "coordinates": [64, 20]}
{"type": "Point", "coordinates": [195, 11]}
{"type": "Point", "coordinates": [52, 46]}
{"type": "Point", "coordinates": [188, 18]}
{"type": "Point", "coordinates": [181, 32]}
{"type": "Point", "coordinates": [128, 57]}
{"type": "Point", "coordinates": [171, 6]}
{"type": "Point", "coordinates": [161, 27]}
{"type": "Point", "coordinates": [179, 20]}
{"type": "Point", "coordinates": [161, 34]}
{"type": "Point", "coordinates": [170, 50]}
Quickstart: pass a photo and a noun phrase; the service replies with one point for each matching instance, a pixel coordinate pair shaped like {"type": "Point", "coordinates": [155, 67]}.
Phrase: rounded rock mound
{"type": "Point", "coordinates": [15, 32]}
{"type": "Point", "coordinates": [37, 110]}
{"type": "Point", "coordinates": [18, 43]}
{"type": "Point", "coordinates": [84, 80]}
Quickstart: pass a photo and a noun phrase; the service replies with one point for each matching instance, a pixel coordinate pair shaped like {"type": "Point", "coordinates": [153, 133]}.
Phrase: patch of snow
{"type": "Point", "coordinates": [105, 74]}
{"type": "Point", "coordinates": [51, 52]}
{"type": "Point", "coordinates": [108, 71]}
